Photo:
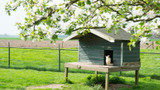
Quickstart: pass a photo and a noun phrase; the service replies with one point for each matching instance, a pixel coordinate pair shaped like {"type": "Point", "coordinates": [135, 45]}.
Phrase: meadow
{"type": "Point", "coordinates": [33, 67]}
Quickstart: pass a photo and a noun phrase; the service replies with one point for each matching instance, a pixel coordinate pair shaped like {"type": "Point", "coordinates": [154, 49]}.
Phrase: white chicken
{"type": "Point", "coordinates": [108, 60]}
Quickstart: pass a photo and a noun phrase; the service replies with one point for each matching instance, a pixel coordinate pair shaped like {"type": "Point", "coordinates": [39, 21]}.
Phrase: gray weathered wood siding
{"type": "Point", "coordinates": [91, 49]}
{"type": "Point", "coordinates": [133, 55]}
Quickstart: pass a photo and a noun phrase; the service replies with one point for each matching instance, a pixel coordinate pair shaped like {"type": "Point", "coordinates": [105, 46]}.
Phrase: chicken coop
{"type": "Point", "coordinates": [98, 43]}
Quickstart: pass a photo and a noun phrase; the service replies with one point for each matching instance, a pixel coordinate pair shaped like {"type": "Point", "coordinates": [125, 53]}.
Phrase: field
{"type": "Point", "coordinates": [32, 67]}
{"type": "Point", "coordinates": [36, 44]}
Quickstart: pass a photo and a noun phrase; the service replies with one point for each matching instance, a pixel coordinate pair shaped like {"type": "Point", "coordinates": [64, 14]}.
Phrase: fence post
{"type": "Point", "coordinates": [59, 57]}
{"type": "Point", "coordinates": [9, 54]}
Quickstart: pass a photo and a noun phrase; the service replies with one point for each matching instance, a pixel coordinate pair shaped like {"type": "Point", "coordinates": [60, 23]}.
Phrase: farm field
{"type": "Point", "coordinates": [36, 44]}
{"type": "Point", "coordinates": [30, 67]}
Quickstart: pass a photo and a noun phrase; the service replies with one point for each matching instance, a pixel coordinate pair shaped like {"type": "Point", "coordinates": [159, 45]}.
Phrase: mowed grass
{"type": "Point", "coordinates": [38, 59]}
{"type": "Point", "coordinates": [149, 75]}
{"type": "Point", "coordinates": [10, 38]}
{"type": "Point", "coordinates": [20, 79]}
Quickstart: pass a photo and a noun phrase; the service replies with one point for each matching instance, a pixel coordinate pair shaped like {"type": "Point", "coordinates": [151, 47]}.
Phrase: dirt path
{"type": "Point", "coordinates": [52, 86]}
{"type": "Point", "coordinates": [59, 86]}
{"type": "Point", "coordinates": [117, 86]}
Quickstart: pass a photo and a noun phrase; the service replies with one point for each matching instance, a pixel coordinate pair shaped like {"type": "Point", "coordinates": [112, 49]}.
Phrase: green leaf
{"type": "Point", "coordinates": [142, 23]}
{"type": "Point", "coordinates": [51, 41]}
{"type": "Point", "coordinates": [88, 2]}
{"type": "Point", "coordinates": [79, 4]}
{"type": "Point", "coordinates": [63, 11]}
{"type": "Point", "coordinates": [54, 37]}
{"type": "Point", "coordinates": [146, 1]}
{"type": "Point", "coordinates": [124, 25]}
{"type": "Point", "coordinates": [9, 13]}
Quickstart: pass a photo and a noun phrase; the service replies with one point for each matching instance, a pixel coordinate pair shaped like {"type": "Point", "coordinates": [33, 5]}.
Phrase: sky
{"type": "Point", "coordinates": [7, 23]}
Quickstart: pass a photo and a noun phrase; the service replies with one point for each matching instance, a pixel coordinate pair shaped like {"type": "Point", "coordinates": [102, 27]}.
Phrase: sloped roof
{"type": "Point", "coordinates": [111, 37]}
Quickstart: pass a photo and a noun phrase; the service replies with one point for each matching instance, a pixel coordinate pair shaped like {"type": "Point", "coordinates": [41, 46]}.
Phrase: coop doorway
{"type": "Point", "coordinates": [106, 53]}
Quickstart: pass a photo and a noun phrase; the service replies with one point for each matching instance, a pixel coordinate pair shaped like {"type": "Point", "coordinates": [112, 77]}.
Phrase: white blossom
{"type": "Point", "coordinates": [158, 23]}
{"type": "Point", "coordinates": [128, 27]}
{"type": "Point", "coordinates": [54, 16]}
{"type": "Point", "coordinates": [156, 31]}
{"type": "Point", "coordinates": [51, 33]}
{"type": "Point", "coordinates": [87, 6]}
{"type": "Point", "coordinates": [78, 12]}
{"type": "Point", "coordinates": [109, 23]}
{"type": "Point", "coordinates": [123, 20]}
{"type": "Point", "coordinates": [72, 8]}
{"type": "Point", "coordinates": [151, 14]}
{"type": "Point", "coordinates": [136, 11]}
{"type": "Point", "coordinates": [144, 40]}
{"type": "Point", "coordinates": [146, 25]}
{"type": "Point", "coordinates": [22, 37]}
{"type": "Point", "coordinates": [40, 5]}
{"type": "Point", "coordinates": [15, 4]}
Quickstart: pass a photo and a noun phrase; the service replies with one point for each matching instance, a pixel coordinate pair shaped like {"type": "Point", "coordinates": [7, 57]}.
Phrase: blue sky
{"type": "Point", "coordinates": [7, 23]}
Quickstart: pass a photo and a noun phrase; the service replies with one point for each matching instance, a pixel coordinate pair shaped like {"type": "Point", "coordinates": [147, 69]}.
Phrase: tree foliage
{"type": "Point", "coordinates": [49, 18]}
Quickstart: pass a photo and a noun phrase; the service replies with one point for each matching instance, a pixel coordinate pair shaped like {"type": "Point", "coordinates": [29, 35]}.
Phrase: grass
{"type": "Point", "coordinates": [43, 60]}
{"type": "Point", "coordinates": [36, 59]}
{"type": "Point", "coordinates": [10, 38]}
{"type": "Point", "coordinates": [20, 79]}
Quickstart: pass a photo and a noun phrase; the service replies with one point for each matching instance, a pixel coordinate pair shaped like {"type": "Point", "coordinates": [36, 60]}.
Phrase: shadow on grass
{"type": "Point", "coordinates": [143, 86]}
{"type": "Point", "coordinates": [154, 76]}
{"type": "Point", "coordinates": [31, 68]}
{"type": "Point", "coordinates": [45, 69]}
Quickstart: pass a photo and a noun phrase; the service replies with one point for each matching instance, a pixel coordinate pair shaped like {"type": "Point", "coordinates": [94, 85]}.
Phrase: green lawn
{"type": "Point", "coordinates": [36, 60]}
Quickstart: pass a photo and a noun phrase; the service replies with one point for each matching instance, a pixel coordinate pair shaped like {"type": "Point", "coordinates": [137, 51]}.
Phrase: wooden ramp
{"type": "Point", "coordinates": [101, 68]}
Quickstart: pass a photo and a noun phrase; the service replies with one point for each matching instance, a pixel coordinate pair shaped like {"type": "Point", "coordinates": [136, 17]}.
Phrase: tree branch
{"type": "Point", "coordinates": [94, 27]}
{"type": "Point", "coordinates": [148, 19]}
{"type": "Point", "coordinates": [52, 12]}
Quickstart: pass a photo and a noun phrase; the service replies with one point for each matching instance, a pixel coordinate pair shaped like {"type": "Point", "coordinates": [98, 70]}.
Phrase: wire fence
{"type": "Point", "coordinates": [52, 59]}
{"type": "Point", "coordinates": [49, 59]}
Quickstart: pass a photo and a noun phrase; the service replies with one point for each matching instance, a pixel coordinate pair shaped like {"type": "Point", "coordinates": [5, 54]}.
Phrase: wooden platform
{"type": "Point", "coordinates": [101, 68]}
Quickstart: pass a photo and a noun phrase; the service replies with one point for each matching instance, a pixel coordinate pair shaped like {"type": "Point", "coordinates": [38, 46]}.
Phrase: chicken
{"type": "Point", "coordinates": [108, 60]}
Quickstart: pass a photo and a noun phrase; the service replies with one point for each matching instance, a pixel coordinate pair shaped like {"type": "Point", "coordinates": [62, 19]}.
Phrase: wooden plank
{"type": "Point", "coordinates": [107, 81]}
{"type": "Point", "coordinates": [136, 77]}
{"type": "Point", "coordinates": [87, 66]}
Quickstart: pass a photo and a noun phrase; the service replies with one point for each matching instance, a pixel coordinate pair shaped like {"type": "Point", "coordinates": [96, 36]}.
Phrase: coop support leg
{"type": "Point", "coordinates": [66, 74]}
{"type": "Point", "coordinates": [136, 77]}
{"type": "Point", "coordinates": [107, 81]}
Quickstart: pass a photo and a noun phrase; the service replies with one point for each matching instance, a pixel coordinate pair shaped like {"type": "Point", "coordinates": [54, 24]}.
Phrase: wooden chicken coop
{"type": "Point", "coordinates": [96, 45]}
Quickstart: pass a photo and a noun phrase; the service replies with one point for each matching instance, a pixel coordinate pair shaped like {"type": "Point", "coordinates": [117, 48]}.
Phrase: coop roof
{"type": "Point", "coordinates": [111, 37]}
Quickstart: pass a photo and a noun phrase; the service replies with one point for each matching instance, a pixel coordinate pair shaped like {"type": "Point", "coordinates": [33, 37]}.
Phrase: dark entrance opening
{"type": "Point", "coordinates": [106, 53]}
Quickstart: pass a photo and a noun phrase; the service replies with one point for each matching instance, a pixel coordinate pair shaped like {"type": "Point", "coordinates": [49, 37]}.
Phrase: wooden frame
{"type": "Point", "coordinates": [101, 68]}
